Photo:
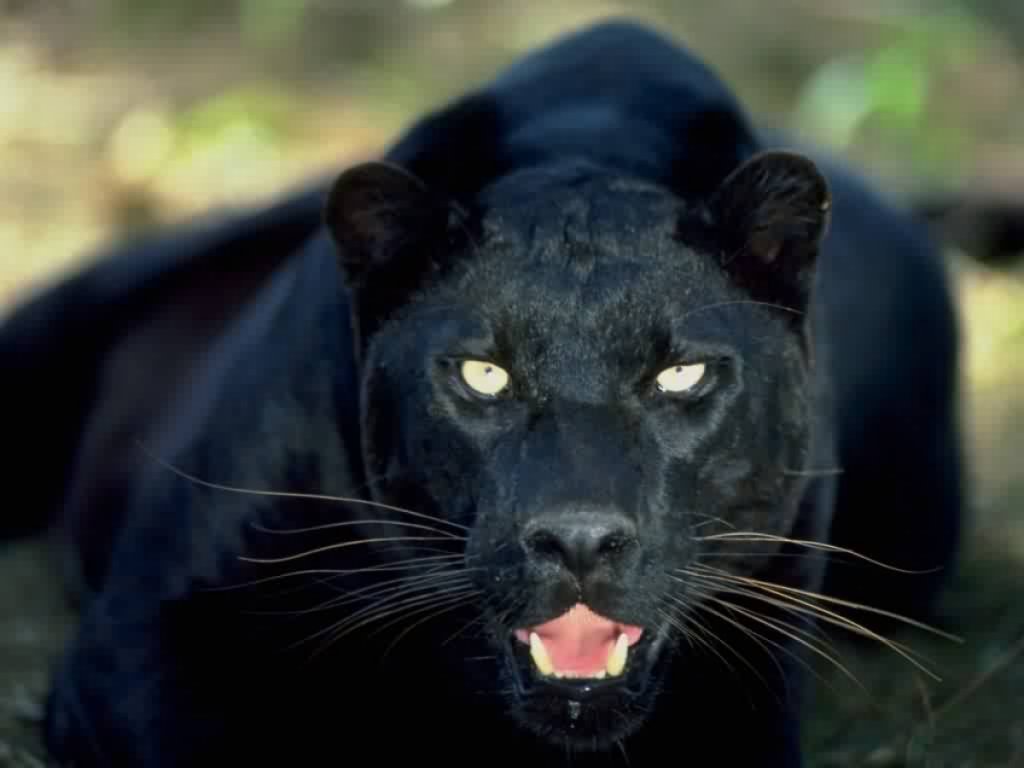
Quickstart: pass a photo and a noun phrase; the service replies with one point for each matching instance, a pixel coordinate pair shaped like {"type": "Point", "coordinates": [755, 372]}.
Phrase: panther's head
{"type": "Point", "coordinates": [593, 381]}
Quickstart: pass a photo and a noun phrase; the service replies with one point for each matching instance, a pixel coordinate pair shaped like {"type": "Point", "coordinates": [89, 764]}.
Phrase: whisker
{"type": "Point", "coordinates": [709, 639]}
{"type": "Point", "coordinates": [465, 599]}
{"type": "Point", "coordinates": [348, 523]}
{"type": "Point", "coordinates": [834, 601]}
{"type": "Point", "coordinates": [453, 601]}
{"type": "Point", "coordinates": [700, 525]}
{"type": "Point", "coordinates": [438, 576]}
{"type": "Point", "coordinates": [754, 635]}
{"type": "Point", "coordinates": [340, 545]}
{"type": "Point", "coordinates": [408, 564]}
{"type": "Point", "coordinates": [379, 591]}
{"type": "Point", "coordinates": [508, 606]}
{"type": "Point", "coordinates": [679, 626]}
{"type": "Point", "coordinates": [700, 604]}
{"type": "Point", "coordinates": [716, 305]}
{"type": "Point", "coordinates": [794, 633]}
{"type": "Point", "coordinates": [750, 536]}
{"type": "Point", "coordinates": [719, 641]}
{"type": "Point", "coordinates": [426, 566]}
{"type": "Point", "coordinates": [714, 592]}
{"type": "Point", "coordinates": [823, 614]}
{"type": "Point", "coordinates": [709, 519]}
{"type": "Point", "coordinates": [452, 598]}
{"type": "Point", "coordinates": [464, 628]}
{"type": "Point", "coordinates": [329, 582]}
{"type": "Point", "coordinates": [405, 596]}
{"type": "Point", "coordinates": [752, 555]}
{"type": "Point", "coordinates": [295, 495]}
{"type": "Point", "coordinates": [392, 599]}
{"type": "Point", "coordinates": [702, 637]}
{"type": "Point", "coordinates": [378, 612]}
{"type": "Point", "coordinates": [813, 472]}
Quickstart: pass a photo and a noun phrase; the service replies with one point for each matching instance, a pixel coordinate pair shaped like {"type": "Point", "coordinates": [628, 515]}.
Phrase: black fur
{"type": "Point", "coordinates": [600, 213]}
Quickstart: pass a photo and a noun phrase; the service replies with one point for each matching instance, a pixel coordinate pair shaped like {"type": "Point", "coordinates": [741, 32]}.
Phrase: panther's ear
{"type": "Point", "coordinates": [392, 234]}
{"type": "Point", "coordinates": [383, 217]}
{"type": "Point", "coordinates": [770, 216]}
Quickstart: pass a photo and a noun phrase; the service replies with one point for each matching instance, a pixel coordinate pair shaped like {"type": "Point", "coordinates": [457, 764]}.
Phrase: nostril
{"type": "Point", "coordinates": [580, 544]}
{"type": "Point", "coordinates": [615, 543]}
{"type": "Point", "coordinates": [546, 545]}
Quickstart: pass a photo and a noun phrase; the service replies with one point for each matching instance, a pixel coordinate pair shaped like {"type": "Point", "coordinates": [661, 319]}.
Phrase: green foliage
{"type": "Point", "coordinates": [893, 89]}
{"type": "Point", "coordinates": [259, 108]}
{"type": "Point", "coordinates": [128, 19]}
{"type": "Point", "coordinates": [271, 22]}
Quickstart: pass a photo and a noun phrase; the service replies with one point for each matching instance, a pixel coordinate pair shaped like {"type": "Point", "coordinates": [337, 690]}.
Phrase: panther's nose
{"type": "Point", "coordinates": [581, 541]}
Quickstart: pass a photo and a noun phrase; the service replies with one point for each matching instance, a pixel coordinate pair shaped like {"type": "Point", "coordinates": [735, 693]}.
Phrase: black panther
{"type": "Point", "coordinates": [545, 439]}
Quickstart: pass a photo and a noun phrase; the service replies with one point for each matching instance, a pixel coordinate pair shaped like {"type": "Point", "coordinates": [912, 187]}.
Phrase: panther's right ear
{"type": "Point", "coordinates": [380, 216]}
{"type": "Point", "coordinates": [772, 214]}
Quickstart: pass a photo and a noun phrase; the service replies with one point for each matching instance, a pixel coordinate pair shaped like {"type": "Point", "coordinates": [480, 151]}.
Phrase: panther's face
{"type": "Point", "coordinates": [593, 382]}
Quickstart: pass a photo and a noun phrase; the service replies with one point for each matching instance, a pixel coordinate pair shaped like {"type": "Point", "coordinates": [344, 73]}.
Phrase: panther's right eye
{"type": "Point", "coordinates": [681, 378]}
{"type": "Point", "coordinates": [484, 377]}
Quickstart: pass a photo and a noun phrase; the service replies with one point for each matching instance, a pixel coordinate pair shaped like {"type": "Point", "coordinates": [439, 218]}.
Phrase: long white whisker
{"type": "Point", "coordinates": [407, 564]}
{"type": "Point", "coordinates": [702, 605]}
{"type": "Point", "coordinates": [350, 523]}
{"type": "Point", "coordinates": [791, 632]}
{"type": "Point", "coordinates": [719, 641]}
{"type": "Point", "coordinates": [751, 536]}
{"type": "Point", "coordinates": [464, 599]}
{"type": "Point", "coordinates": [833, 601]}
{"type": "Point", "coordinates": [710, 596]}
{"type": "Point", "coordinates": [381, 611]}
{"type": "Point", "coordinates": [439, 577]}
{"type": "Point", "coordinates": [798, 605]}
{"type": "Point", "coordinates": [704, 633]}
{"type": "Point", "coordinates": [295, 495]}
{"type": "Point", "coordinates": [340, 545]}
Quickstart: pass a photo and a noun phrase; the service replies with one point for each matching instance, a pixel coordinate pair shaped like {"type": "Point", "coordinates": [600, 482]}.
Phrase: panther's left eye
{"type": "Point", "coordinates": [681, 378]}
{"type": "Point", "coordinates": [484, 377]}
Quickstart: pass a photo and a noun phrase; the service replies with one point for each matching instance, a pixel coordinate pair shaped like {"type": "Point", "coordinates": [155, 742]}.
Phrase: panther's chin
{"type": "Point", "coordinates": [582, 680]}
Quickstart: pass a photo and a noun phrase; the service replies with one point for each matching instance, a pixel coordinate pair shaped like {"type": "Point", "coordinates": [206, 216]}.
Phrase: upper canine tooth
{"type": "Point", "coordinates": [540, 657]}
{"type": "Point", "coordinates": [617, 658]}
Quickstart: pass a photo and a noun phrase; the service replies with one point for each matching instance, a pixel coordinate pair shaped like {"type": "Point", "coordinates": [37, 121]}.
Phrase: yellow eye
{"type": "Point", "coordinates": [680, 378]}
{"type": "Point", "coordinates": [483, 377]}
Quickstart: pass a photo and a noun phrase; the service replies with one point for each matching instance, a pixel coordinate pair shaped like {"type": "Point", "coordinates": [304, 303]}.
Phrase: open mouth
{"type": "Point", "coordinates": [581, 647]}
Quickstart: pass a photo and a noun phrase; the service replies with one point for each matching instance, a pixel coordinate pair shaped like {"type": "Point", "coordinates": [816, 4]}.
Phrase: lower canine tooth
{"type": "Point", "coordinates": [617, 658]}
{"type": "Point", "coordinates": [540, 657]}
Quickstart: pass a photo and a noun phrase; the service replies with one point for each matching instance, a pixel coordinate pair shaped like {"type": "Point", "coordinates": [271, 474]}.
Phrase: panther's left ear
{"type": "Point", "coordinates": [391, 233]}
{"type": "Point", "coordinates": [770, 216]}
{"type": "Point", "coordinates": [381, 216]}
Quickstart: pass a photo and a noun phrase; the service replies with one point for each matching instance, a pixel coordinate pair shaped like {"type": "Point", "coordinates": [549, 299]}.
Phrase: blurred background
{"type": "Point", "coordinates": [121, 115]}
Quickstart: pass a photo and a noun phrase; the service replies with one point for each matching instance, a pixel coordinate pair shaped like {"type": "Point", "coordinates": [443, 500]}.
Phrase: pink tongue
{"type": "Point", "coordinates": [580, 640]}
